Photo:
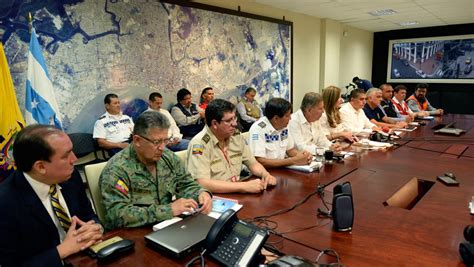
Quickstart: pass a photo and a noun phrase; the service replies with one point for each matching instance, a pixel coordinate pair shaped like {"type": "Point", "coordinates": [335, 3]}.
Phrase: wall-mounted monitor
{"type": "Point", "coordinates": [445, 59]}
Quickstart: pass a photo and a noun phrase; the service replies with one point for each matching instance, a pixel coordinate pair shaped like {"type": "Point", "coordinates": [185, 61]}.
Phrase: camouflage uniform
{"type": "Point", "coordinates": [132, 197]}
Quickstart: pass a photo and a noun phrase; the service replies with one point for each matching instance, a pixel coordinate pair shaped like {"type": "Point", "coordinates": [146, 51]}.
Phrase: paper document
{"type": "Point", "coordinates": [313, 166]}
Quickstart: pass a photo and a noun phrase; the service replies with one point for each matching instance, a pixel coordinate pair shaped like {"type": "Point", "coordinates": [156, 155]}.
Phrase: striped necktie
{"type": "Point", "coordinates": [59, 211]}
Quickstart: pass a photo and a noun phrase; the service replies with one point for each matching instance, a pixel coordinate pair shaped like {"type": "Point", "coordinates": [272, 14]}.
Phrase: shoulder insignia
{"type": "Point", "coordinates": [197, 149]}
{"type": "Point", "coordinates": [237, 132]}
{"type": "Point", "coordinates": [206, 138]}
{"type": "Point", "coordinates": [101, 117]}
{"type": "Point", "coordinates": [262, 124]}
{"type": "Point", "coordinates": [122, 187]}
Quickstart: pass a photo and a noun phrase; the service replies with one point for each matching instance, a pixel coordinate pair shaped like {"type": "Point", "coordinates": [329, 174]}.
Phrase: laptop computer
{"type": "Point", "coordinates": [182, 237]}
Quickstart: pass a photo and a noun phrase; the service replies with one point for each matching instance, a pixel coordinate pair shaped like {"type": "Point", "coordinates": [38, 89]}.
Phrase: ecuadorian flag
{"type": "Point", "coordinates": [11, 120]}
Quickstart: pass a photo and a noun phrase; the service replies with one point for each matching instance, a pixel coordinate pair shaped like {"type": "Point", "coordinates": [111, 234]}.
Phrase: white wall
{"type": "Point", "coordinates": [314, 67]}
{"type": "Point", "coordinates": [356, 55]}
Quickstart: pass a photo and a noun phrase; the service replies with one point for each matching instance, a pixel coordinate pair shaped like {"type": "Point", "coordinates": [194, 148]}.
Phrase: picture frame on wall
{"type": "Point", "coordinates": [445, 59]}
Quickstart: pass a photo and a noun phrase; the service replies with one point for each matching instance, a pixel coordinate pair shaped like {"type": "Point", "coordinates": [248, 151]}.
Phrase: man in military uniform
{"type": "Point", "coordinates": [139, 183]}
{"type": "Point", "coordinates": [216, 154]}
{"type": "Point", "coordinates": [113, 129]}
{"type": "Point", "coordinates": [270, 140]}
{"type": "Point", "coordinates": [248, 109]}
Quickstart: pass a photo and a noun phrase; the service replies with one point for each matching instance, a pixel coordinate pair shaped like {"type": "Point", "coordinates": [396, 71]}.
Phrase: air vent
{"type": "Point", "coordinates": [382, 12]}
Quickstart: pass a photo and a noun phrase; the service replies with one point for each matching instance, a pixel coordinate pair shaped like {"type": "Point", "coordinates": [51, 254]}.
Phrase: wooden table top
{"type": "Point", "coordinates": [427, 235]}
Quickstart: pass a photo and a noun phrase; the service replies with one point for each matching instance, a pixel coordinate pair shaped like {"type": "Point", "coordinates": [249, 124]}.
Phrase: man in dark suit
{"type": "Point", "coordinates": [45, 213]}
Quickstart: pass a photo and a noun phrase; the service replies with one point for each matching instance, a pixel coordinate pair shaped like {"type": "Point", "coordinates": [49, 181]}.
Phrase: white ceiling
{"type": "Point", "coordinates": [355, 13]}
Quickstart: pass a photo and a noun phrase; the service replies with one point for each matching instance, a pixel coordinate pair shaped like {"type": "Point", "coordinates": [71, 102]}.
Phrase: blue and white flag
{"type": "Point", "coordinates": [40, 103]}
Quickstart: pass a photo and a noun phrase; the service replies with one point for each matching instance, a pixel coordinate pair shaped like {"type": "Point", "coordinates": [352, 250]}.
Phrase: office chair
{"type": "Point", "coordinates": [86, 149]}
{"type": "Point", "coordinates": [182, 155]}
{"type": "Point", "coordinates": [93, 172]}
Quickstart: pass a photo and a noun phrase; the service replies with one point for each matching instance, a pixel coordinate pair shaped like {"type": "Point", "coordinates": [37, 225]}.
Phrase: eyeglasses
{"type": "Point", "coordinates": [158, 142]}
{"type": "Point", "coordinates": [230, 121]}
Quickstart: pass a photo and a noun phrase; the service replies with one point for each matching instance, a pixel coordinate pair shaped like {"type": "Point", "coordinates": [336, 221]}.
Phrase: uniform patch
{"type": "Point", "coordinates": [284, 134]}
{"type": "Point", "coordinates": [206, 138]}
{"type": "Point", "coordinates": [255, 137]}
{"type": "Point", "coordinates": [122, 187]}
{"type": "Point", "coordinates": [197, 149]}
{"type": "Point", "coordinates": [270, 138]}
{"type": "Point", "coordinates": [262, 124]}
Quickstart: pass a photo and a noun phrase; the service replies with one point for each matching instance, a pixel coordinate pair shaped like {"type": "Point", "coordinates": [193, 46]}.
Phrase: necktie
{"type": "Point", "coordinates": [59, 211]}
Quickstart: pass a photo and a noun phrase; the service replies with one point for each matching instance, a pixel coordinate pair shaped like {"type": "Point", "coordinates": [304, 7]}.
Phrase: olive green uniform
{"type": "Point", "coordinates": [132, 197]}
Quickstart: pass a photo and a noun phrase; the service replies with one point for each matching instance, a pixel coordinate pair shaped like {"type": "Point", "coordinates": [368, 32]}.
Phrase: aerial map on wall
{"type": "Point", "coordinates": [133, 48]}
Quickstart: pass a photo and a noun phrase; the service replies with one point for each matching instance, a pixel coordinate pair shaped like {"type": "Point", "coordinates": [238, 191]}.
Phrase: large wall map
{"type": "Point", "coordinates": [132, 48]}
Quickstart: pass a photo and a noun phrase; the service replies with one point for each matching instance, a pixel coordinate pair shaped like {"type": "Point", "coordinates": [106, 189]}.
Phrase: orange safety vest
{"type": "Point", "coordinates": [421, 107]}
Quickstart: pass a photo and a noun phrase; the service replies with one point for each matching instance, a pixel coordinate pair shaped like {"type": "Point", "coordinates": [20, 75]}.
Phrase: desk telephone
{"type": "Point", "coordinates": [234, 242]}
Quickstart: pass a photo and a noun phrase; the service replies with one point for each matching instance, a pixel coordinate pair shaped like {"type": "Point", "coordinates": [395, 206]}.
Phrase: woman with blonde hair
{"type": "Point", "coordinates": [331, 121]}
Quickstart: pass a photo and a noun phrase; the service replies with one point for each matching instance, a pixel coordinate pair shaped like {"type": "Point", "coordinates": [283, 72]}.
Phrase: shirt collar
{"type": "Point", "coordinates": [269, 125]}
{"type": "Point", "coordinates": [301, 118]}
{"type": "Point", "coordinates": [41, 189]}
{"type": "Point", "coordinates": [115, 117]}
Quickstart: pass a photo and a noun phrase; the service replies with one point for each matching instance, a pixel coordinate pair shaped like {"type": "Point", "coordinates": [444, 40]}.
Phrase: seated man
{"type": "Point", "coordinates": [188, 116]}
{"type": "Point", "coordinates": [138, 184]}
{"type": "Point", "coordinates": [216, 154]}
{"type": "Point", "coordinates": [305, 126]}
{"type": "Point", "coordinates": [207, 95]}
{"type": "Point", "coordinates": [398, 100]}
{"type": "Point", "coordinates": [155, 100]}
{"type": "Point", "coordinates": [113, 129]}
{"type": "Point", "coordinates": [46, 215]}
{"type": "Point", "coordinates": [374, 112]}
{"type": "Point", "coordinates": [248, 109]}
{"type": "Point", "coordinates": [353, 117]}
{"type": "Point", "coordinates": [270, 140]}
{"type": "Point", "coordinates": [418, 102]}
{"type": "Point", "coordinates": [388, 106]}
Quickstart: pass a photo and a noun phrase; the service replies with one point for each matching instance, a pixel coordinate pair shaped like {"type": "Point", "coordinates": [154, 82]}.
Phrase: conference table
{"type": "Point", "coordinates": [424, 229]}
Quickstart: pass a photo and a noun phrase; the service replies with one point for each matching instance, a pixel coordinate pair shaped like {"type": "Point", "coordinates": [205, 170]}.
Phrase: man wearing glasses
{"type": "Point", "coordinates": [216, 154]}
{"type": "Point", "coordinates": [139, 183]}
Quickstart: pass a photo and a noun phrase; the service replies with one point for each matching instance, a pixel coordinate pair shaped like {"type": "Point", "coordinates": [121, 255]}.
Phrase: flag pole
{"type": "Point", "coordinates": [30, 22]}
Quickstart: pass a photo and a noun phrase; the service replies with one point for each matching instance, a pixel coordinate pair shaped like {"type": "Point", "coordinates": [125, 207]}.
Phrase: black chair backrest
{"type": "Point", "coordinates": [82, 144]}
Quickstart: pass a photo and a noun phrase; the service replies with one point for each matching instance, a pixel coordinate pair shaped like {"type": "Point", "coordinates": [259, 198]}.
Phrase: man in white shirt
{"type": "Point", "coordinates": [155, 100]}
{"type": "Point", "coordinates": [305, 125]}
{"type": "Point", "coordinates": [113, 129]}
{"type": "Point", "coordinates": [270, 140]}
{"type": "Point", "coordinates": [353, 116]}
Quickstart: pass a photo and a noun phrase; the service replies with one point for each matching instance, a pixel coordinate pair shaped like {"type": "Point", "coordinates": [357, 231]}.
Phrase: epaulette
{"type": "Point", "coordinates": [101, 117]}
{"type": "Point", "coordinates": [206, 138]}
{"type": "Point", "coordinates": [262, 124]}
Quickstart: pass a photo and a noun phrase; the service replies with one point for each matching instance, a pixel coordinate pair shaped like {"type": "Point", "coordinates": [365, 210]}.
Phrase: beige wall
{"type": "Point", "coordinates": [314, 66]}
{"type": "Point", "coordinates": [356, 55]}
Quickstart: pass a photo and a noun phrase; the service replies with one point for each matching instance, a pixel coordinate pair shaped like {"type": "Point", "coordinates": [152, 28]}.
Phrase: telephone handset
{"type": "Point", "coordinates": [234, 242]}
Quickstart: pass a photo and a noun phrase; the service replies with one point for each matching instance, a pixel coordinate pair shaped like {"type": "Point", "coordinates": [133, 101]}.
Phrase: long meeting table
{"type": "Point", "coordinates": [427, 233]}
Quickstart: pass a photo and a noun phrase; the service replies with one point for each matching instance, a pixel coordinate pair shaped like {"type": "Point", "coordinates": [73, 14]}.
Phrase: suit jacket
{"type": "Point", "coordinates": [28, 235]}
